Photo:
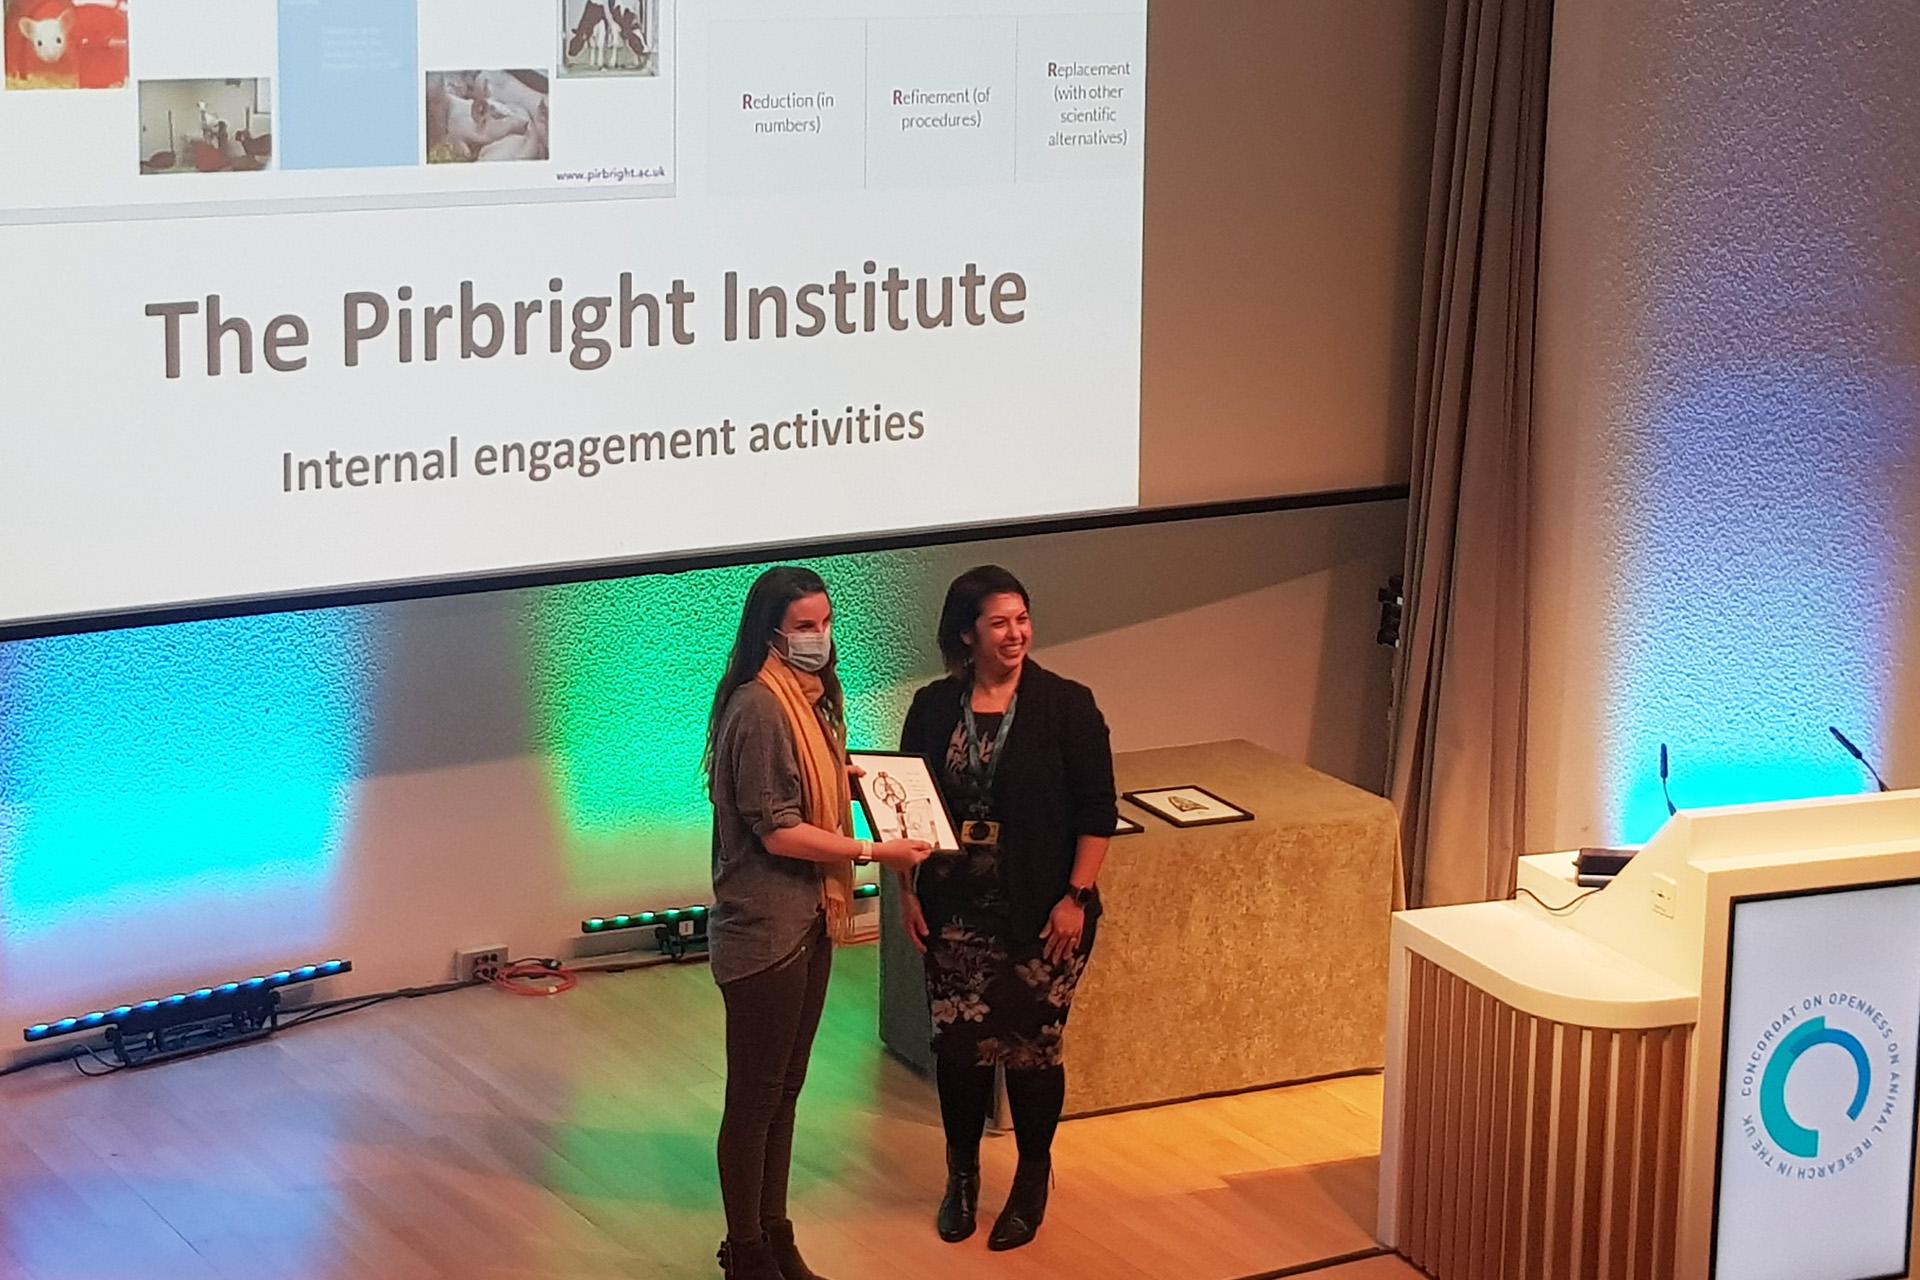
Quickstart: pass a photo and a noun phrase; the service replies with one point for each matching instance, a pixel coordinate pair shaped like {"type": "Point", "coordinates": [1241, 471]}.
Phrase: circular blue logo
{"type": "Point", "coordinates": [1848, 1101]}
{"type": "Point", "coordinates": [1793, 1137]}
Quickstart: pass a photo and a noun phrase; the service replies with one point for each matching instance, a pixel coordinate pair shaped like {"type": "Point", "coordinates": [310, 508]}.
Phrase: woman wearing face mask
{"type": "Point", "coordinates": [1023, 759]}
{"type": "Point", "coordinates": [782, 893]}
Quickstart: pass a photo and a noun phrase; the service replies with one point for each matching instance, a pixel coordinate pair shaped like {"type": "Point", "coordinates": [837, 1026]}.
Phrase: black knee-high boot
{"type": "Point", "coordinates": [960, 1206]}
{"type": "Point", "coordinates": [1037, 1096]}
{"type": "Point", "coordinates": [1026, 1206]}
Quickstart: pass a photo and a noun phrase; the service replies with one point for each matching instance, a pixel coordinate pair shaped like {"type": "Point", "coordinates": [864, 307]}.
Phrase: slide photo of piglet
{"type": "Point", "coordinates": [486, 115]}
{"type": "Point", "coordinates": [66, 44]}
{"type": "Point", "coordinates": [206, 126]}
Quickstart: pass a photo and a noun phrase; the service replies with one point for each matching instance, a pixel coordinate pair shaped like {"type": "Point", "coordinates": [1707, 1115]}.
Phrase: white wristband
{"type": "Point", "coordinates": [864, 854]}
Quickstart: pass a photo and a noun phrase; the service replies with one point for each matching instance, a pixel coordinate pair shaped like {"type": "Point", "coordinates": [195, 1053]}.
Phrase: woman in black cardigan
{"type": "Point", "coordinates": [1022, 756]}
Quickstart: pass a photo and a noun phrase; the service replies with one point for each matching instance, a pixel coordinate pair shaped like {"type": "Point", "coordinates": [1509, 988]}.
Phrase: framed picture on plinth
{"type": "Point", "coordinates": [900, 800]}
{"type": "Point", "coordinates": [1125, 826]}
{"type": "Point", "coordinates": [1188, 806]}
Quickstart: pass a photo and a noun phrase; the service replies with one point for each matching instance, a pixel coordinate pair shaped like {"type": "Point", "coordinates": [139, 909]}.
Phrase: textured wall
{"type": "Point", "coordinates": [1729, 406]}
{"type": "Point", "coordinates": [188, 804]}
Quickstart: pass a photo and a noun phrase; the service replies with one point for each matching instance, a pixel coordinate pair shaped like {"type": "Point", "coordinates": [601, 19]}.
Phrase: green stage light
{"type": "Point", "coordinates": [678, 917]}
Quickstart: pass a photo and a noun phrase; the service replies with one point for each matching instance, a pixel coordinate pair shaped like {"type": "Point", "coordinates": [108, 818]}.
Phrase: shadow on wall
{"type": "Point", "coordinates": [179, 804]}
{"type": "Point", "coordinates": [616, 678]}
{"type": "Point", "coordinates": [1258, 626]}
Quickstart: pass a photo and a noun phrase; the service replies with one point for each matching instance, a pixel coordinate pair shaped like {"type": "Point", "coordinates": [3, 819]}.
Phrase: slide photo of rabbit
{"type": "Point", "coordinates": [206, 126]}
{"type": "Point", "coordinates": [487, 115]}
{"type": "Point", "coordinates": [65, 44]}
{"type": "Point", "coordinates": [609, 37]}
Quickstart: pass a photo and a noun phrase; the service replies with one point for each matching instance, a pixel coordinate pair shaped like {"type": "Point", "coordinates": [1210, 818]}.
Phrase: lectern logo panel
{"type": "Point", "coordinates": [1817, 1111]}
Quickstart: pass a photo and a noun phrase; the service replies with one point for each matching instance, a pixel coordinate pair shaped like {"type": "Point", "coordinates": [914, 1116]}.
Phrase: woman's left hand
{"type": "Point", "coordinates": [1064, 927]}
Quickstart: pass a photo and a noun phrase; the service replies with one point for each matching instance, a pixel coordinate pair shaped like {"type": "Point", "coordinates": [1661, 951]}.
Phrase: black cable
{"type": "Point", "coordinates": [346, 1004]}
{"type": "Point", "coordinates": [1565, 907]}
{"type": "Point", "coordinates": [52, 1059]}
{"type": "Point", "coordinates": [399, 993]}
{"type": "Point", "coordinates": [1322, 1264]}
{"type": "Point", "coordinates": [333, 1009]}
{"type": "Point", "coordinates": [628, 966]}
{"type": "Point", "coordinates": [91, 1052]}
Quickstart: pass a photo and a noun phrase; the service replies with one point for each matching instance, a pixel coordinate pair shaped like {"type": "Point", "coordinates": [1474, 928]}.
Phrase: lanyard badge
{"type": "Point", "coordinates": [979, 832]}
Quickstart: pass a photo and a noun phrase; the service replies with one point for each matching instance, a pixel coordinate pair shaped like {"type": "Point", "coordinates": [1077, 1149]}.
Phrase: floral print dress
{"type": "Point", "coordinates": [996, 1000]}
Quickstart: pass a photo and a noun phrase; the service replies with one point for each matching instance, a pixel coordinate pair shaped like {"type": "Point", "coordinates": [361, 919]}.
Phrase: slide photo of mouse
{"type": "Point", "coordinates": [65, 44]}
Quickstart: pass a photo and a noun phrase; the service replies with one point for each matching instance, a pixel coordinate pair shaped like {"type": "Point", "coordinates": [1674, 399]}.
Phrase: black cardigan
{"type": "Point", "coordinates": [1054, 783]}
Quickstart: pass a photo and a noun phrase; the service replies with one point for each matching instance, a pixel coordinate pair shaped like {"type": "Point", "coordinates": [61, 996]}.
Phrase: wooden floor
{"type": "Point", "coordinates": [484, 1136]}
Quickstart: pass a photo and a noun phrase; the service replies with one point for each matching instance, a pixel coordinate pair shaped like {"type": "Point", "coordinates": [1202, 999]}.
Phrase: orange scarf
{"type": "Point", "coordinates": [823, 781]}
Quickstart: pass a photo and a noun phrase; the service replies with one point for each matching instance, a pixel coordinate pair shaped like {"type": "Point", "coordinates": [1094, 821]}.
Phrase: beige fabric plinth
{"type": "Point", "coordinates": [1230, 957]}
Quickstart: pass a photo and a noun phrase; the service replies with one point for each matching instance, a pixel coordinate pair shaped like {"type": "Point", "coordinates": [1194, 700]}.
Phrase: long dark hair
{"type": "Point", "coordinates": [760, 618]}
{"type": "Point", "coordinates": [964, 597]}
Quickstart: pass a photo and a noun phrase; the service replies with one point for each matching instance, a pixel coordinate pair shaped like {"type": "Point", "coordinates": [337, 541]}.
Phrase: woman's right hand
{"type": "Point", "coordinates": [915, 920]}
{"type": "Point", "coordinates": [901, 855]}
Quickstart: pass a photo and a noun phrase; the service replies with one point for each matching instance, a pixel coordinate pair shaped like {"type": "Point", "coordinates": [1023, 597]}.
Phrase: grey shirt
{"type": "Point", "coordinates": [764, 907]}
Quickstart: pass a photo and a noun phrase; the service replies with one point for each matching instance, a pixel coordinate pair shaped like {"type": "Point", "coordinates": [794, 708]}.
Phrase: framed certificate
{"type": "Point", "coordinates": [900, 799]}
{"type": "Point", "coordinates": [1188, 806]}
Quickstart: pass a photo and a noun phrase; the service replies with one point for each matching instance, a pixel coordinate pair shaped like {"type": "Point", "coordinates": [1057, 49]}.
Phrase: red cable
{"type": "Point", "coordinates": [536, 978]}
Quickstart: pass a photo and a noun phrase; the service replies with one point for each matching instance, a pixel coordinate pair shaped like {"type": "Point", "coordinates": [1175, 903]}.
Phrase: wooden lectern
{"type": "Point", "coordinates": [1704, 1071]}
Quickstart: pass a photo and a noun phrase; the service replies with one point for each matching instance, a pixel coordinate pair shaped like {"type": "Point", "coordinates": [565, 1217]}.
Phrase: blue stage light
{"type": "Point", "coordinates": [139, 1013]}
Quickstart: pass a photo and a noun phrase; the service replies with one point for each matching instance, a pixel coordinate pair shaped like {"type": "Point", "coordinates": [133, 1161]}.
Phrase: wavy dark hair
{"type": "Point", "coordinates": [965, 595]}
{"type": "Point", "coordinates": [760, 618]}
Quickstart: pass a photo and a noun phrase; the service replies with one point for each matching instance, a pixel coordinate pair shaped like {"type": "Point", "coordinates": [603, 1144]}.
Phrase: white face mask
{"type": "Point", "coordinates": [807, 651]}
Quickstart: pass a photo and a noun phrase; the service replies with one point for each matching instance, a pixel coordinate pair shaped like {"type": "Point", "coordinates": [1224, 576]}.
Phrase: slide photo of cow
{"type": "Point", "coordinates": [65, 44]}
{"type": "Point", "coordinates": [475, 116]}
{"type": "Point", "coordinates": [609, 37]}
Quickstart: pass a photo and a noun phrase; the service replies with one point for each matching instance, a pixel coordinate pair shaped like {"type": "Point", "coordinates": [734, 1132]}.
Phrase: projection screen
{"type": "Point", "coordinates": [338, 299]}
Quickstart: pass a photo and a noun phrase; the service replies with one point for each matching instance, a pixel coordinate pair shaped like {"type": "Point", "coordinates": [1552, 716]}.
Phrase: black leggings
{"type": "Point", "coordinates": [771, 1020]}
{"type": "Point", "coordinates": [966, 1094]}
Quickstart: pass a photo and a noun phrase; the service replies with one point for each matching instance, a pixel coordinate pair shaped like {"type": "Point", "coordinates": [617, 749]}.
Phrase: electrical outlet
{"type": "Point", "coordinates": [1662, 899]}
{"type": "Point", "coordinates": [479, 964]}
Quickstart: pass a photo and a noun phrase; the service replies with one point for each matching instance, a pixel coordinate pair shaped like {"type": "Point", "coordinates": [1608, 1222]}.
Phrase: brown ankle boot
{"type": "Point", "coordinates": [786, 1254]}
{"type": "Point", "coordinates": [748, 1260]}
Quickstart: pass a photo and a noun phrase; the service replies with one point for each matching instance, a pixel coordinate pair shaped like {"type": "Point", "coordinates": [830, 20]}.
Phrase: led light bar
{"type": "Point", "coordinates": [131, 1018]}
{"type": "Point", "coordinates": [672, 918]}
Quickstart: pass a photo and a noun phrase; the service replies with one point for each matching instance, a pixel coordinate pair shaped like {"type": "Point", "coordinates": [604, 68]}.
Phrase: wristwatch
{"type": "Point", "coordinates": [1080, 896]}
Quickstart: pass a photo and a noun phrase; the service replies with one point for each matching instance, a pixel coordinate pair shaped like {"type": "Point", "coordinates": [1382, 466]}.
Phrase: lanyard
{"type": "Point", "coordinates": [983, 771]}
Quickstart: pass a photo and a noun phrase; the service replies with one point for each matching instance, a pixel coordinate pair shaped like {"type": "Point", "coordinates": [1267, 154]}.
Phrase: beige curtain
{"type": "Point", "coordinates": [1459, 738]}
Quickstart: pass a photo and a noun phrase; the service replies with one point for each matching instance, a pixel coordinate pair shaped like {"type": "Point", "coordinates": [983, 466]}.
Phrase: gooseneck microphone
{"type": "Point", "coordinates": [1859, 755]}
{"type": "Point", "coordinates": [1663, 781]}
